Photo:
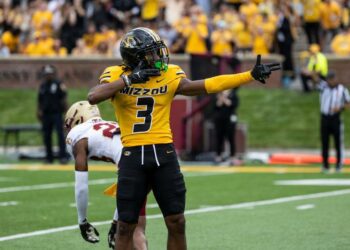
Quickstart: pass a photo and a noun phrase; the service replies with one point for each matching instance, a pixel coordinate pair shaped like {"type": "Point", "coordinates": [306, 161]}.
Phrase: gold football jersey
{"type": "Point", "coordinates": [143, 110]}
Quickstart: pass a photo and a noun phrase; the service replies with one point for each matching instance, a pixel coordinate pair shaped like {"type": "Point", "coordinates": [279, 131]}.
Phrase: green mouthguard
{"type": "Point", "coordinates": [161, 66]}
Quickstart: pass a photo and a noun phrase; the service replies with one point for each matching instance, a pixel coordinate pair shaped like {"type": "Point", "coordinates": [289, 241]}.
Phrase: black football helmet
{"type": "Point", "coordinates": [143, 45]}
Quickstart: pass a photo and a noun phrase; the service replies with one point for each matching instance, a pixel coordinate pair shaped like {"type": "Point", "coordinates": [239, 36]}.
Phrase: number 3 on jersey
{"type": "Point", "coordinates": [147, 105]}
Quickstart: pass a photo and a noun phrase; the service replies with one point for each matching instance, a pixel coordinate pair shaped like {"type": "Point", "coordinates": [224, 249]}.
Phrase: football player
{"type": "Point", "coordinates": [90, 137]}
{"type": "Point", "coordinates": [141, 91]}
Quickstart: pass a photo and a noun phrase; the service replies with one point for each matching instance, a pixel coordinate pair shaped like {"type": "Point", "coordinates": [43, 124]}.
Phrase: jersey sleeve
{"type": "Point", "coordinates": [111, 74]}
{"type": "Point", "coordinates": [179, 72]}
{"type": "Point", "coordinates": [75, 135]}
{"type": "Point", "coordinates": [175, 74]}
{"type": "Point", "coordinates": [105, 76]}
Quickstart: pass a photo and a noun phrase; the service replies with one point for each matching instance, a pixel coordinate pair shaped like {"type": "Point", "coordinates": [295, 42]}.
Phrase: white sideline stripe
{"type": "Point", "coordinates": [75, 204]}
{"type": "Point", "coordinates": [53, 185]}
{"type": "Point", "coordinates": [153, 205]}
{"type": "Point", "coordinates": [7, 179]}
{"type": "Point", "coordinates": [306, 206]}
{"type": "Point", "coordinates": [71, 184]}
{"type": "Point", "coordinates": [315, 182]}
{"type": "Point", "coordinates": [8, 203]}
{"type": "Point", "coordinates": [193, 211]}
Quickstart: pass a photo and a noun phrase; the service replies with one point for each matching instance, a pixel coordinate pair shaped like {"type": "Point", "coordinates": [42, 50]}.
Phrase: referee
{"type": "Point", "coordinates": [334, 97]}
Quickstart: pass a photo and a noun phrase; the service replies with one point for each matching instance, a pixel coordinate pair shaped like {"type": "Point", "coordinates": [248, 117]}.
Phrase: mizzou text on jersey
{"type": "Point", "coordinates": [143, 110]}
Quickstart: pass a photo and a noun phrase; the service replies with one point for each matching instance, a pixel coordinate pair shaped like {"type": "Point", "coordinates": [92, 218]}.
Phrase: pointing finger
{"type": "Point", "coordinates": [258, 60]}
{"type": "Point", "coordinates": [273, 64]}
{"type": "Point", "coordinates": [275, 68]}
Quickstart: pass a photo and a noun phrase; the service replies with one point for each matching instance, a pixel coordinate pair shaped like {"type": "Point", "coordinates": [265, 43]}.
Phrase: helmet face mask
{"type": "Point", "coordinates": [143, 47]}
{"type": "Point", "coordinates": [79, 113]}
{"type": "Point", "coordinates": [157, 56]}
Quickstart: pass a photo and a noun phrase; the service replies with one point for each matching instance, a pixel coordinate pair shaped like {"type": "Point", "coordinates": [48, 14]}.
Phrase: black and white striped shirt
{"type": "Point", "coordinates": [332, 98]}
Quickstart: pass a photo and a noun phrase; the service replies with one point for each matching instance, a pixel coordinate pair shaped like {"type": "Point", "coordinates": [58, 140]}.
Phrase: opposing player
{"type": "Point", "coordinates": [90, 137]}
{"type": "Point", "coordinates": [141, 91]}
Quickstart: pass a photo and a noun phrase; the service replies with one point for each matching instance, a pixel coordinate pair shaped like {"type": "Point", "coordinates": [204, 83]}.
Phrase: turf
{"type": "Point", "coordinates": [278, 226]}
{"type": "Point", "coordinates": [276, 118]}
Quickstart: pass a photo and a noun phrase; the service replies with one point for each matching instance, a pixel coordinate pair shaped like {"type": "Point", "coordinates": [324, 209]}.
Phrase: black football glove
{"type": "Point", "coordinates": [140, 75]}
{"type": "Point", "coordinates": [111, 235]}
{"type": "Point", "coordinates": [261, 72]}
{"type": "Point", "coordinates": [88, 232]}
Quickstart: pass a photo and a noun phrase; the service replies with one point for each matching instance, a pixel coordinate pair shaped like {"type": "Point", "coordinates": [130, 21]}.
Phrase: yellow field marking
{"type": "Point", "coordinates": [184, 168]}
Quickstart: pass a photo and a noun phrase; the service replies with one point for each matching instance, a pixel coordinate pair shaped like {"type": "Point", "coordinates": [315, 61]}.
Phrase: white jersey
{"type": "Point", "coordinates": [103, 139]}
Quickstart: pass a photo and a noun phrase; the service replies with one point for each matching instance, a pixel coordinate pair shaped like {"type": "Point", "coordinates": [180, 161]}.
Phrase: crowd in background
{"type": "Point", "coordinates": [222, 27]}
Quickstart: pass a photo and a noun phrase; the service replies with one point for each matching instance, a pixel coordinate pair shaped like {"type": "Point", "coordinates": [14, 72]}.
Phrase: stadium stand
{"type": "Point", "coordinates": [83, 27]}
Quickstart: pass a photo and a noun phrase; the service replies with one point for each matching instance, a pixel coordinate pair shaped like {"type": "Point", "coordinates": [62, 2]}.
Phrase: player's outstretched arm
{"type": "Point", "coordinates": [80, 153]}
{"type": "Point", "coordinates": [260, 72]}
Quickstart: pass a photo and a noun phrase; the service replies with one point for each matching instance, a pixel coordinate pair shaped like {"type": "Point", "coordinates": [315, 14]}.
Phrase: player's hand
{"type": "Point", "coordinates": [111, 235]}
{"type": "Point", "coordinates": [88, 232]}
{"type": "Point", "coordinates": [261, 72]}
{"type": "Point", "coordinates": [140, 75]}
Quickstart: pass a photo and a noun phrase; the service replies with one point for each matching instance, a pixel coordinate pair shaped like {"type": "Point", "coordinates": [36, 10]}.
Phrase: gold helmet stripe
{"type": "Point", "coordinates": [153, 34]}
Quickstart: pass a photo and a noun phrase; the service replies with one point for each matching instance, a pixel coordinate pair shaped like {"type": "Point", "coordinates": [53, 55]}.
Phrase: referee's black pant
{"type": "Point", "coordinates": [332, 125]}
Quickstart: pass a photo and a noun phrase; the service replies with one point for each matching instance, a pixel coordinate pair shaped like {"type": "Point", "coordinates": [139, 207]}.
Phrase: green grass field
{"type": "Point", "coordinates": [275, 117]}
{"type": "Point", "coordinates": [227, 208]}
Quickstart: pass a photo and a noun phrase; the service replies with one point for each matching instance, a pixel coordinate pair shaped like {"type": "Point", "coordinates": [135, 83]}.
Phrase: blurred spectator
{"type": "Point", "coordinates": [340, 44]}
{"type": "Point", "coordinates": [92, 38]}
{"type": "Point", "coordinates": [150, 9]}
{"type": "Point", "coordinates": [235, 3]}
{"type": "Point", "coordinates": [71, 24]}
{"type": "Point", "coordinates": [345, 18]}
{"type": "Point", "coordinates": [4, 50]}
{"type": "Point", "coordinates": [101, 13]}
{"type": "Point", "coordinates": [174, 10]}
{"type": "Point", "coordinates": [167, 33]}
{"type": "Point", "coordinates": [10, 39]}
{"type": "Point", "coordinates": [39, 46]}
{"type": "Point", "coordinates": [260, 45]}
{"type": "Point", "coordinates": [52, 104]}
{"type": "Point", "coordinates": [331, 14]}
{"type": "Point", "coordinates": [334, 97]}
{"type": "Point", "coordinates": [81, 49]}
{"type": "Point", "coordinates": [221, 39]}
{"type": "Point", "coordinates": [194, 28]}
{"type": "Point", "coordinates": [58, 49]}
{"type": "Point", "coordinates": [103, 49]}
{"type": "Point", "coordinates": [252, 23]}
{"type": "Point", "coordinates": [227, 14]}
{"type": "Point", "coordinates": [225, 120]}
{"type": "Point", "coordinates": [116, 45]}
{"type": "Point", "coordinates": [285, 40]}
{"type": "Point", "coordinates": [124, 13]}
{"type": "Point", "coordinates": [249, 10]}
{"type": "Point", "coordinates": [243, 37]}
{"type": "Point", "coordinates": [42, 18]}
{"type": "Point", "coordinates": [317, 67]}
{"type": "Point", "coordinates": [268, 7]}
{"type": "Point", "coordinates": [312, 18]}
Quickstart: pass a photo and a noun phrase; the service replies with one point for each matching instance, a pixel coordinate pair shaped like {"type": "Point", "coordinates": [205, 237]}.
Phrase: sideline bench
{"type": "Point", "coordinates": [16, 129]}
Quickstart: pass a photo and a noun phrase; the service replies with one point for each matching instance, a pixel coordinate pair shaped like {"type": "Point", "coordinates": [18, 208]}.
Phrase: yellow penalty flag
{"type": "Point", "coordinates": [111, 190]}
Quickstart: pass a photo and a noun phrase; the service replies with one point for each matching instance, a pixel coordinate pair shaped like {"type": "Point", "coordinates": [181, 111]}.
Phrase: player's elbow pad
{"type": "Point", "coordinates": [219, 83]}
